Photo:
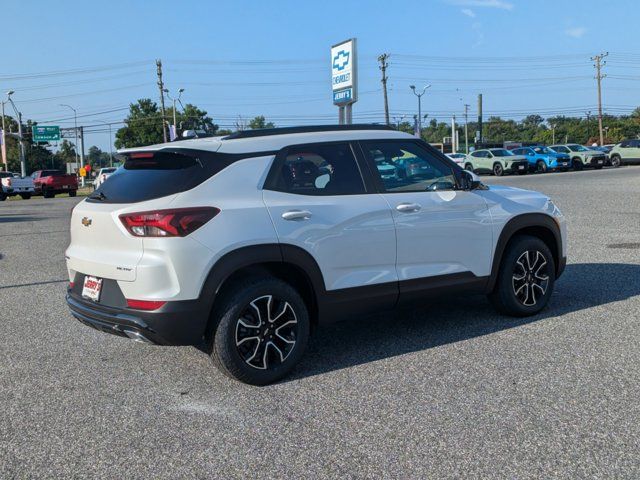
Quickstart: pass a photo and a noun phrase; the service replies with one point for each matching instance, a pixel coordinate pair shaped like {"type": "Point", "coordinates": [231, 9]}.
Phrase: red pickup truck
{"type": "Point", "coordinates": [50, 182]}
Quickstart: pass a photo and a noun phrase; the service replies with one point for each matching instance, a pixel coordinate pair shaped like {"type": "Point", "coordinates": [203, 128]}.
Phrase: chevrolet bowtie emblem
{"type": "Point", "coordinates": [86, 221]}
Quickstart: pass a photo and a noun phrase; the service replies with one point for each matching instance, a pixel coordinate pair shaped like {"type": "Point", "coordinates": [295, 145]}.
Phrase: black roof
{"type": "Point", "coordinates": [264, 132]}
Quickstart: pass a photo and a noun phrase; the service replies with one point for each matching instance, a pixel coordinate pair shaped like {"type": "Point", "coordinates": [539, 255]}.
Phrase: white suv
{"type": "Point", "coordinates": [242, 244]}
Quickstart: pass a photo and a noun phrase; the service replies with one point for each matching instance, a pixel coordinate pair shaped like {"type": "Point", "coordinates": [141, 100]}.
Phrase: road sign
{"type": "Point", "coordinates": [46, 134]}
{"type": "Point", "coordinates": [82, 171]}
{"type": "Point", "coordinates": [344, 70]}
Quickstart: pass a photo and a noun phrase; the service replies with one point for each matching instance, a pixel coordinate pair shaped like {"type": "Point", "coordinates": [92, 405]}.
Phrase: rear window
{"type": "Point", "coordinates": [52, 173]}
{"type": "Point", "coordinates": [149, 175]}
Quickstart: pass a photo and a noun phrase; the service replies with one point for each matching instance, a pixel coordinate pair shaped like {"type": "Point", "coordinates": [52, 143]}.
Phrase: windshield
{"type": "Point", "coordinates": [108, 170]}
{"type": "Point", "coordinates": [501, 152]}
{"type": "Point", "coordinates": [542, 150]}
{"type": "Point", "coordinates": [577, 148]}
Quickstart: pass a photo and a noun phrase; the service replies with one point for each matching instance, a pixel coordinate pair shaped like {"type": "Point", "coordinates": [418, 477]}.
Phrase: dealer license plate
{"type": "Point", "coordinates": [91, 288]}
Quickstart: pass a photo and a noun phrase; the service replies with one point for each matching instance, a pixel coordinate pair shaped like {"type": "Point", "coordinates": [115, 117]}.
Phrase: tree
{"type": "Point", "coordinates": [260, 122]}
{"type": "Point", "coordinates": [143, 125]}
{"type": "Point", "coordinates": [193, 118]}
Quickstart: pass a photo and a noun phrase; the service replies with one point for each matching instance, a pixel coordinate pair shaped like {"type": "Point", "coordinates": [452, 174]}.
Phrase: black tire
{"type": "Point", "coordinates": [498, 170]}
{"type": "Point", "coordinates": [468, 167]}
{"type": "Point", "coordinates": [616, 161]}
{"type": "Point", "coordinates": [48, 194]}
{"type": "Point", "coordinates": [577, 164]}
{"type": "Point", "coordinates": [541, 167]}
{"type": "Point", "coordinates": [235, 315]}
{"type": "Point", "coordinates": [3, 196]}
{"type": "Point", "coordinates": [524, 288]}
{"type": "Point", "coordinates": [73, 193]}
{"type": "Point", "coordinates": [25, 196]}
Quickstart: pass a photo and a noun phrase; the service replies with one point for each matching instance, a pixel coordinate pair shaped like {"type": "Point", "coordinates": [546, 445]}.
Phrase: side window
{"type": "Point", "coordinates": [408, 167]}
{"type": "Point", "coordinates": [635, 144]}
{"type": "Point", "coordinates": [625, 143]}
{"type": "Point", "coordinates": [476, 154]}
{"type": "Point", "coordinates": [320, 169]}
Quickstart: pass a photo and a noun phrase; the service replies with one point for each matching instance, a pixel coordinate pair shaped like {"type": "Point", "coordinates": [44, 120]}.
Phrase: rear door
{"type": "Point", "coordinates": [441, 230]}
{"type": "Point", "coordinates": [319, 201]}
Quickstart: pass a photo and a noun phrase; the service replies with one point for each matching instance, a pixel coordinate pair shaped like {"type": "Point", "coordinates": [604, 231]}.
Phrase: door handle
{"type": "Point", "coordinates": [297, 215]}
{"type": "Point", "coordinates": [408, 207]}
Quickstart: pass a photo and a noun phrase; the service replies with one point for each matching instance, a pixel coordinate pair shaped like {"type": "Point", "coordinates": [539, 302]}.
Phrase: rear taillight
{"type": "Point", "coordinates": [145, 304]}
{"type": "Point", "coordinates": [176, 222]}
{"type": "Point", "coordinates": [8, 182]}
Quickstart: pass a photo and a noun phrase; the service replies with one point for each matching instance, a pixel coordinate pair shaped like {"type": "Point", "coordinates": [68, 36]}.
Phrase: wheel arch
{"type": "Point", "coordinates": [537, 225]}
{"type": "Point", "coordinates": [287, 262]}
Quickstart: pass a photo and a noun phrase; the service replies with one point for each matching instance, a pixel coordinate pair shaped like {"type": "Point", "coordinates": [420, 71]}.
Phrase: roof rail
{"type": "Point", "coordinates": [265, 132]}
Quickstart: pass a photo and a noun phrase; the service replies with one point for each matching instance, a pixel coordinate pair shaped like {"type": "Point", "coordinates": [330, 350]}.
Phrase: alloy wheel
{"type": "Point", "coordinates": [530, 278]}
{"type": "Point", "coordinates": [266, 332]}
{"type": "Point", "coordinates": [497, 170]}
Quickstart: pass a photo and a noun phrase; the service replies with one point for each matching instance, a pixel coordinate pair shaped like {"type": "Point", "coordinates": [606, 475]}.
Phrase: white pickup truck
{"type": "Point", "coordinates": [12, 184]}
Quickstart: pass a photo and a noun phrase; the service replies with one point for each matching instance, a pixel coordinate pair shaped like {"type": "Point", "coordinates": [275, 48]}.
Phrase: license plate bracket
{"type": "Point", "coordinates": [91, 288]}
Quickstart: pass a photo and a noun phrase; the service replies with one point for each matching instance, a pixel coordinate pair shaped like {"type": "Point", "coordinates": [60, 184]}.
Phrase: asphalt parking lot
{"type": "Point", "coordinates": [452, 390]}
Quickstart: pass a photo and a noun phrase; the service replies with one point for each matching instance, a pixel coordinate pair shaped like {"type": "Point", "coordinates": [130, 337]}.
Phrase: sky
{"type": "Point", "coordinates": [245, 58]}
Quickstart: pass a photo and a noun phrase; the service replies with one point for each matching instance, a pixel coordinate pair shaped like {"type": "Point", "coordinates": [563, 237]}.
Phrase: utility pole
{"type": "Point", "coordinates": [599, 76]}
{"type": "Point", "coordinates": [466, 128]}
{"type": "Point", "coordinates": [383, 67]}
{"type": "Point", "coordinates": [553, 133]}
{"type": "Point", "coordinates": [4, 144]}
{"type": "Point", "coordinates": [161, 87]}
{"type": "Point", "coordinates": [23, 163]}
{"type": "Point", "coordinates": [480, 118]}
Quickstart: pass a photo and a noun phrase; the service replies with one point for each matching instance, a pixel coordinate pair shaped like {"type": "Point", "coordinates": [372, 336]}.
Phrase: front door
{"type": "Point", "coordinates": [442, 232]}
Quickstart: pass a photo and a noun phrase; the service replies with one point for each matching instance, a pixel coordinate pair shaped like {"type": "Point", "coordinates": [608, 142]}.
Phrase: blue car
{"type": "Point", "coordinates": [542, 159]}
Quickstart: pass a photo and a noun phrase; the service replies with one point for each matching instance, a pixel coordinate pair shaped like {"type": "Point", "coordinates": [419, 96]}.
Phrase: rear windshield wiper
{"type": "Point", "coordinates": [98, 196]}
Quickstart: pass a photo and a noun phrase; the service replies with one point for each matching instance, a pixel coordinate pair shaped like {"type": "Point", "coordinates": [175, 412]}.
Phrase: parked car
{"type": "Point", "coordinates": [626, 152]}
{"type": "Point", "coordinates": [12, 184]}
{"type": "Point", "coordinates": [211, 242]}
{"type": "Point", "coordinates": [497, 161]}
{"type": "Point", "coordinates": [541, 158]}
{"type": "Point", "coordinates": [459, 158]}
{"type": "Point", "coordinates": [48, 183]}
{"type": "Point", "coordinates": [102, 175]}
{"type": "Point", "coordinates": [581, 156]}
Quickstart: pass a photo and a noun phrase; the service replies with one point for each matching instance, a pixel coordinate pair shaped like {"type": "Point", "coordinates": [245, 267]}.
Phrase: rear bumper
{"type": "Point", "coordinates": [175, 323]}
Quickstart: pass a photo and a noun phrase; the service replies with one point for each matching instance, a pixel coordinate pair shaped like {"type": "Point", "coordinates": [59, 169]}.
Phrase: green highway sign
{"type": "Point", "coordinates": [46, 134]}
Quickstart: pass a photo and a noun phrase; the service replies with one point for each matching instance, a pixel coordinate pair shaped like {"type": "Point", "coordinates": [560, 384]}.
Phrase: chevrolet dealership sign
{"type": "Point", "coordinates": [344, 72]}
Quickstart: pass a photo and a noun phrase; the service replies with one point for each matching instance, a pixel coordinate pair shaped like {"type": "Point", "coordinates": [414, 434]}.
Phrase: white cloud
{"type": "Point", "coordinates": [468, 12]}
{"type": "Point", "coordinates": [477, 27]}
{"type": "Point", "coordinates": [576, 32]}
{"type": "Point", "coordinates": [501, 4]}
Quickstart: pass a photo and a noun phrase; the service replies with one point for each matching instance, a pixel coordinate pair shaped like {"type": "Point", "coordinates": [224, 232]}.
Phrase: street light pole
{"type": "Point", "coordinates": [75, 123]}
{"type": "Point", "coordinates": [419, 95]}
{"type": "Point", "coordinates": [174, 100]}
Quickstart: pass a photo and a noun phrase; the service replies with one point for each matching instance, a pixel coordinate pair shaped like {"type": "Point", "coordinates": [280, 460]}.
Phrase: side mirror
{"type": "Point", "coordinates": [470, 181]}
